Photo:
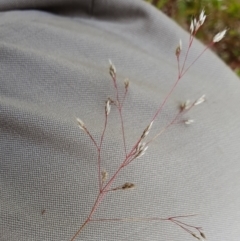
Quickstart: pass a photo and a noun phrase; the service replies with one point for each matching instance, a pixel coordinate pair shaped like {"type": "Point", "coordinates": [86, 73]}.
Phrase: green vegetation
{"type": "Point", "coordinates": [220, 14]}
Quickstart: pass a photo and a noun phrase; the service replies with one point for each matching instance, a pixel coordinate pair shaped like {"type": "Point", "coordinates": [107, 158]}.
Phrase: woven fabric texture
{"type": "Point", "coordinates": [54, 68]}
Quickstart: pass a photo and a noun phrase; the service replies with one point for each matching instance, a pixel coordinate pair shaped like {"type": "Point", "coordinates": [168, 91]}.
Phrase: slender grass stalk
{"type": "Point", "coordinates": [139, 148]}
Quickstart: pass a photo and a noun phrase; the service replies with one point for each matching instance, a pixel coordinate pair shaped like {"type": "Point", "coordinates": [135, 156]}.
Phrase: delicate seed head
{"type": "Point", "coordinates": [108, 106]}
{"type": "Point", "coordinates": [126, 83]}
{"type": "Point", "coordinates": [202, 14]}
{"type": "Point", "coordinates": [200, 100]}
{"type": "Point", "coordinates": [104, 176]}
{"type": "Point", "coordinates": [180, 44]}
{"type": "Point", "coordinates": [145, 148]}
{"type": "Point", "coordinates": [188, 122]}
{"type": "Point", "coordinates": [140, 146]}
{"type": "Point", "coordinates": [186, 105]}
{"type": "Point", "coordinates": [146, 131]}
{"type": "Point", "coordinates": [203, 20]}
{"type": "Point", "coordinates": [179, 48]}
{"type": "Point", "coordinates": [81, 124]}
{"type": "Point", "coordinates": [191, 27]}
{"type": "Point", "coordinates": [195, 23]}
{"type": "Point", "coordinates": [150, 125]}
{"type": "Point", "coordinates": [127, 185]}
{"type": "Point", "coordinates": [141, 152]}
{"type": "Point", "coordinates": [195, 236]}
{"type": "Point", "coordinates": [178, 51]}
{"type": "Point", "coordinates": [111, 101]}
{"type": "Point", "coordinates": [202, 235]}
{"type": "Point", "coordinates": [112, 69]}
{"type": "Point", "coordinates": [219, 36]}
{"type": "Point", "coordinates": [202, 17]}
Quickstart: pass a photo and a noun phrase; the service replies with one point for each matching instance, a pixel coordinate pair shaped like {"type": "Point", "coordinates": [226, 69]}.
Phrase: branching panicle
{"type": "Point", "coordinates": [140, 147]}
{"type": "Point", "coordinates": [196, 24]}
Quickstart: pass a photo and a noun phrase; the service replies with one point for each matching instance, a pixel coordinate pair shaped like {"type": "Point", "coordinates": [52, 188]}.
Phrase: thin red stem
{"type": "Point", "coordinates": [119, 107]}
{"type": "Point", "coordinates": [99, 199]}
{"type": "Point", "coordinates": [99, 153]}
{"type": "Point", "coordinates": [124, 97]}
{"type": "Point", "coordinates": [104, 190]}
{"type": "Point", "coordinates": [142, 219]}
{"type": "Point", "coordinates": [178, 62]}
{"type": "Point", "coordinates": [164, 129]}
{"type": "Point", "coordinates": [128, 219]}
{"type": "Point", "coordinates": [208, 46]}
{"type": "Point", "coordinates": [109, 183]}
{"type": "Point", "coordinates": [186, 55]}
{"type": "Point", "coordinates": [91, 137]}
{"type": "Point", "coordinates": [97, 202]}
{"type": "Point", "coordinates": [191, 226]}
{"type": "Point", "coordinates": [79, 230]}
{"type": "Point", "coordinates": [139, 219]}
{"type": "Point", "coordinates": [123, 131]}
{"type": "Point", "coordinates": [187, 230]}
{"type": "Point", "coordinates": [183, 216]}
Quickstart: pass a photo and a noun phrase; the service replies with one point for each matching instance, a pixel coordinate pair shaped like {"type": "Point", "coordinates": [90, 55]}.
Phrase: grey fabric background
{"type": "Point", "coordinates": [54, 68]}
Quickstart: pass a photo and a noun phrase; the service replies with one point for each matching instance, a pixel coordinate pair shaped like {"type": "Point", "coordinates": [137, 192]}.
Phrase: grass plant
{"type": "Point", "coordinates": [139, 148]}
